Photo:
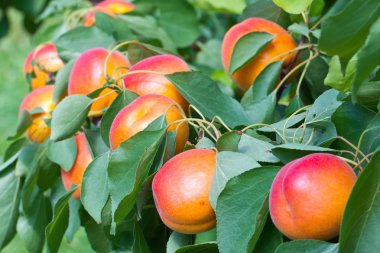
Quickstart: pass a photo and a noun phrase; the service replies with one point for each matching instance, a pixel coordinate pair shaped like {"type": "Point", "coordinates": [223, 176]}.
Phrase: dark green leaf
{"type": "Point", "coordinates": [368, 94]}
{"type": "Point", "coordinates": [129, 166]}
{"type": "Point", "coordinates": [219, 104]}
{"type": "Point", "coordinates": [95, 142]}
{"type": "Point", "coordinates": [247, 48]}
{"type": "Point", "coordinates": [63, 152]}
{"type": "Point", "coordinates": [291, 151]}
{"type": "Point", "coordinates": [62, 80]}
{"type": "Point", "coordinates": [349, 39]}
{"type": "Point", "coordinates": [269, 239]}
{"type": "Point", "coordinates": [228, 142]}
{"type": "Point", "coordinates": [9, 202]}
{"type": "Point", "coordinates": [228, 165]}
{"type": "Point", "coordinates": [114, 26]}
{"type": "Point", "coordinates": [95, 191]}
{"type": "Point", "coordinates": [139, 244]}
{"type": "Point", "coordinates": [56, 229]}
{"type": "Point", "coordinates": [309, 246]}
{"type": "Point", "coordinates": [177, 241]}
{"type": "Point", "coordinates": [25, 159]}
{"type": "Point", "coordinates": [209, 247]}
{"type": "Point", "coordinates": [69, 116]}
{"type": "Point", "coordinates": [119, 103]}
{"type": "Point", "coordinates": [25, 120]}
{"type": "Point", "coordinates": [262, 111]}
{"type": "Point", "coordinates": [242, 210]}
{"type": "Point", "coordinates": [360, 230]}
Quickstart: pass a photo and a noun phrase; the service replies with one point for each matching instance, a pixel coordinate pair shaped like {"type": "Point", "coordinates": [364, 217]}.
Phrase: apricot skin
{"type": "Point", "coordinates": [136, 116]}
{"type": "Point", "coordinates": [181, 191]}
{"type": "Point", "coordinates": [87, 75]}
{"type": "Point", "coordinates": [308, 196]}
{"type": "Point", "coordinates": [83, 159]}
{"type": "Point", "coordinates": [44, 56]}
{"type": "Point", "coordinates": [42, 98]}
{"type": "Point", "coordinates": [145, 83]}
{"type": "Point", "coordinates": [281, 43]}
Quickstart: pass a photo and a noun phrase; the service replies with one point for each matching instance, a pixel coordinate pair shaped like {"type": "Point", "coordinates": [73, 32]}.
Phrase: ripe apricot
{"type": "Point", "coordinates": [87, 75]}
{"type": "Point", "coordinates": [181, 191]}
{"type": "Point", "coordinates": [136, 116]}
{"type": "Point", "coordinates": [109, 7]}
{"type": "Point", "coordinates": [82, 160]}
{"type": "Point", "coordinates": [41, 98]}
{"type": "Point", "coordinates": [147, 83]}
{"type": "Point", "coordinates": [308, 196]}
{"type": "Point", "coordinates": [40, 62]}
{"type": "Point", "coordinates": [281, 43]}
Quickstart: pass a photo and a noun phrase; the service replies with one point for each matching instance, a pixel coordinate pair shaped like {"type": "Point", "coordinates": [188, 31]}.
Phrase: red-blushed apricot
{"type": "Point", "coordinates": [147, 83]}
{"type": "Point", "coordinates": [109, 7]}
{"type": "Point", "coordinates": [41, 98]}
{"type": "Point", "coordinates": [136, 116]}
{"type": "Point", "coordinates": [40, 62]}
{"type": "Point", "coordinates": [87, 75]}
{"type": "Point", "coordinates": [281, 43]}
{"type": "Point", "coordinates": [82, 160]}
{"type": "Point", "coordinates": [181, 191]}
{"type": "Point", "coordinates": [308, 196]}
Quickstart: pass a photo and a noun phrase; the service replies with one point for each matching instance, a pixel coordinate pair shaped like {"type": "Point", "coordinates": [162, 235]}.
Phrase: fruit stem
{"type": "Point", "coordinates": [303, 73]}
{"type": "Point", "coordinates": [298, 49]}
{"type": "Point", "coordinates": [201, 122]}
{"type": "Point", "coordinates": [350, 144]}
{"type": "Point", "coordinates": [349, 161]}
{"type": "Point", "coordinates": [361, 140]}
{"type": "Point", "coordinates": [291, 116]}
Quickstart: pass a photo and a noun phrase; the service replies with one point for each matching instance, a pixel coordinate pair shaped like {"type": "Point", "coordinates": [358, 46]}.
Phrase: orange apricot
{"type": "Point", "coordinates": [308, 196]}
{"type": "Point", "coordinates": [87, 76]}
{"type": "Point", "coordinates": [148, 83]}
{"type": "Point", "coordinates": [82, 160]}
{"type": "Point", "coordinates": [281, 43]}
{"type": "Point", "coordinates": [181, 191]}
{"type": "Point", "coordinates": [136, 116]}
{"type": "Point", "coordinates": [41, 98]}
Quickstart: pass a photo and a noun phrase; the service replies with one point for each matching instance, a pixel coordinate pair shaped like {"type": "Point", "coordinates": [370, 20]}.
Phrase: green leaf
{"type": "Point", "coordinates": [74, 219]}
{"type": "Point", "coordinates": [10, 187]}
{"type": "Point", "coordinates": [128, 167]}
{"type": "Point", "coordinates": [80, 39]}
{"type": "Point", "coordinates": [31, 226]}
{"type": "Point", "coordinates": [293, 6]}
{"type": "Point", "coordinates": [301, 29]}
{"type": "Point", "coordinates": [263, 84]}
{"type": "Point", "coordinates": [368, 94]}
{"type": "Point", "coordinates": [25, 159]}
{"type": "Point", "coordinates": [242, 210]}
{"type": "Point", "coordinates": [353, 20]}
{"type": "Point", "coordinates": [262, 111]}
{"type": "Point", "coordinates": [55, 230]}
{"type": "Point", "coordinates": [24, 121]}
{"type": "Point", "coordinates": [69, 116]}
{"type": "Point", "coordinates": [270, 238]}
{"type": "Point", "coordinates": [62, 80]}
{"type": "Point", "coordinates": [114, 26]}
{"type": "Point", "coordinates": [228, 142]}
{"type": "Point", "coordinates": [97, 236]}
{"type": "Point", "coordinates": [226, 6]}
{"type": "Point", "coordinates": [315, 76]}
{"type": "Point", "coordinates": [219, 104]}
{"type": "Point", "coordinates": [368, 57]}
{"type": "Point", "coordinates": [259, 150]}
{"type": "Point", "coordinates": [63, 152]}
{"type": "Point", "coordinates": [352, 120]}
{"type": "Point", "coordinates": [177, 241]}
{"type": "Point", "coordinates": [205, 142]}
{"type": "Point", "coordinates": [14, 148]}
{"type": "Point", "coordinates": [95, 142]}
{"type": "Point", "coordinates": [266, 9]}
{"type": "Point", "coordinates": [247, 48]}
{"type": "Point", "coordinates": [95, 191]}
{"type": "Point", "coordinates": [291, 151]}
{"type": "Point", "coordinates": [139, 244]}
{"type": "Point", "coordinates": [210, 54]}
{"type": "Point", "coordinates": [360, 230]}
{"type": "Point", "coordinates": [184, 15]}
{"type": "Point", "coordinates": [335, 77]}
{"type": "Point", "coordinates": [324, 106]}
{"type": "Point", "coordinates": [119, 103]}
{"type": "Point", "coordinates": [309, 246]}
{"type": "Point", "coordinates": [228, 165]}
{"type": "Point", "coordinates": [209, 247]}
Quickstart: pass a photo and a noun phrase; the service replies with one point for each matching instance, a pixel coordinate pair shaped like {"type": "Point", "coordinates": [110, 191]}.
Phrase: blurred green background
{"type": "Point", "coordinates": [13, 50]}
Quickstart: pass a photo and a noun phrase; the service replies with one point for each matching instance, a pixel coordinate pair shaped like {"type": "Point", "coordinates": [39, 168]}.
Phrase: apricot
{"type": "Point", "coordinates": [146, 83]}
{"type": "Point", "coordinates": [308, 196]}
{"type": "Point", "coordinates": [41, 98]}
{"type": "Point", "coordinates": [181, 191]}
{"type": "Point", "coordinates": [281, 43]}
{"type": "Point", "coordinates": [136, 116]}
{"type": "Point", "coordinates": [40, 62]}
{"type": "Point", "coordinates": [87, 75]}
{"type": "Point", "coordinates": [109, 7]}
{"type": "Point", "coordinates": [82, 160]}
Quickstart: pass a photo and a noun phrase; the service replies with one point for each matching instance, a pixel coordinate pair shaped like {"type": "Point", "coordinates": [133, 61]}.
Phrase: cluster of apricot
{"type": "Point", "coordinates": [308, 196]}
